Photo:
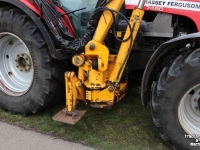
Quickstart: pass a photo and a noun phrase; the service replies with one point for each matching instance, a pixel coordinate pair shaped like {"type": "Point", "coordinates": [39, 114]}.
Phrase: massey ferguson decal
{"type": "Point", "coordinates": [160, 3]}
{"type": "Point", "coordinates": [188, 8]}
{"type": "Point", "coordinates": [173, 4]}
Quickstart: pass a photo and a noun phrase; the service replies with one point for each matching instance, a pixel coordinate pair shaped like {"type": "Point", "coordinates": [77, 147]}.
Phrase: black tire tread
{"type": "Point", "coordinates": [168, 75]}
{"type": "Point", "coordinates": [53, 70]}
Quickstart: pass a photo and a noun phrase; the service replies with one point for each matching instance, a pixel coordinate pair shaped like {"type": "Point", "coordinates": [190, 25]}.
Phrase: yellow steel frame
{"type": "Point", "coordinates": [101, 85]}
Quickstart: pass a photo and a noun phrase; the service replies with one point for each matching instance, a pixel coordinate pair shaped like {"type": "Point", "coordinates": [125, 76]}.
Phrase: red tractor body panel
{"type": "Point", "coordinates": [189, 9]}
{"type": "Point", "coordinates": [34, 8]}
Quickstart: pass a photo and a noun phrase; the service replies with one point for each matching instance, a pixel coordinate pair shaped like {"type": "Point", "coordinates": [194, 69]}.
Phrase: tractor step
{"type": "Point", "coordinates": [64, 117]}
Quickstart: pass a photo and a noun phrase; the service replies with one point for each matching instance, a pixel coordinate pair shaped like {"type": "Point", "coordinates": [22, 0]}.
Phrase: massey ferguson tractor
{"type": "Point", "coordinates": [93, 50]}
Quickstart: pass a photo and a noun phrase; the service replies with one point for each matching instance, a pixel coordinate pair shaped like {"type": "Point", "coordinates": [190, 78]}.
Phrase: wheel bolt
{"type": "Point", "coordinates": [17, 66]}
{"type": "Point", "coordinates": [196, 107]}
{"type": "Point", "coordinates": [9, 73]}
{"type": "Point", "coordinates": [16, 60]}
{"type": "Point", "coordinates": [195, 99]}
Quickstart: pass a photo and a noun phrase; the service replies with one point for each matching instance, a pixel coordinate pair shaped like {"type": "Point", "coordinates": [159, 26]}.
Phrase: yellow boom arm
{"type": "Point", "coordinates": [99, 72]}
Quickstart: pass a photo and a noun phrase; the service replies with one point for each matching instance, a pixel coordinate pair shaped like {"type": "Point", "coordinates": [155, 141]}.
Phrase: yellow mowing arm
{"type": "Point", "coordinates": [126, 46]}
{"type": "Point", "coordinates": [99, 72]}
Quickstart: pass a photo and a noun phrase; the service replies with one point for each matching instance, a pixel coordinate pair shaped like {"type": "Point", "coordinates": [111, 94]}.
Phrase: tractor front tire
{"type": "Point", "coordinates": [29, 79]}
{"type": "Point", "coordinates": [175, 101]}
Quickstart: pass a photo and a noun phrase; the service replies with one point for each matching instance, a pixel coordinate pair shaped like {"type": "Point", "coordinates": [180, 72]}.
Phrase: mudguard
{"type": "Point", "coordinates": [156, 60]}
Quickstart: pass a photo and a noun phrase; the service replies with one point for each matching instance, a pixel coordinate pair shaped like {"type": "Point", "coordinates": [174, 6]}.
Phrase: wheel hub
{"type": "Point", "coordinates": [189, 111]}
{"type": "Point", "coordinates": [16, 69]}
{"type": "Point", "coordinates": [23, 62]}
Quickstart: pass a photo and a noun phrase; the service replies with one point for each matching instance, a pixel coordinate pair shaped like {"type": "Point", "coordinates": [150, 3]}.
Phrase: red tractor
{"type": "Point", "coordinates": [39, 38]}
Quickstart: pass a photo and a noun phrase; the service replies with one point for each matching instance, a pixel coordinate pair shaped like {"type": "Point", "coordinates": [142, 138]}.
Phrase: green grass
{"type": "Point", "coordinates": [127, 126]}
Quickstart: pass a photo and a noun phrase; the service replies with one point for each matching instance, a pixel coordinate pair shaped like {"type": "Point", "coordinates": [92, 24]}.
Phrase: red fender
{"type": "Point", "coordinates": [34, 8]}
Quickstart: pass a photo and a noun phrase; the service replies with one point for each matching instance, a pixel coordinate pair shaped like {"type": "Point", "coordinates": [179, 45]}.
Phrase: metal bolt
{"type": "Point", "coordinates": [116, 84]}
{"type": "Point", "coordinates": [80, 84]}
{"type": "Point", "coordinates": [92, 46]}
{"type": "Point", "coordinates": [16, 60]}
{"type": "Point", "coordinates": [195, 99]}
{"type": "Point", "coordinates": [21, 70]}
{"type": "Point", "coordinates": [110, 89]}
{"type": "Point", "coordinates": [196, 107]}
{"type": "Point", "coordinates": [188, 45]}
{"type": "Point", "coordinates": [17, 66]}
{"type": "Point", "coordinates": [9, 73]}
{"type": "Point", "coordinates": [86, 74]}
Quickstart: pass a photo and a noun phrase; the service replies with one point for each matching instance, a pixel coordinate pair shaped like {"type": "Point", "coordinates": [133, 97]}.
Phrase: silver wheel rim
{"type": "Point", "coordinates": [189, 112]}
{"type": "Point", "coordinates": [16, 67]}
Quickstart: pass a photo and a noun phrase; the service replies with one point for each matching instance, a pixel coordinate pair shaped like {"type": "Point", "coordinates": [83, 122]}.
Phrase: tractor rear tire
{"type": "Point", "coordinates": [176, 99]}
{"type": "Point", "coordinates": [29, 79]}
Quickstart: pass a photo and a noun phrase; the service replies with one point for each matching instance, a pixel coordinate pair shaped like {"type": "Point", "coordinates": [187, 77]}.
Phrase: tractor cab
{"type": "Point", "coordinates": [81, 15]}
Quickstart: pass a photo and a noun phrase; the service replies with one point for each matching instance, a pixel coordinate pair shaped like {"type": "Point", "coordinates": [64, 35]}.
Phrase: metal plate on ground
{"type": "Point", "coordinates": [68, 119]}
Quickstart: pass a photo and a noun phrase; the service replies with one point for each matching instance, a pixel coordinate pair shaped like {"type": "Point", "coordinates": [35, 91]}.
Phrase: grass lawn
{"type": "Point", "coordinates": [125, 127]}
